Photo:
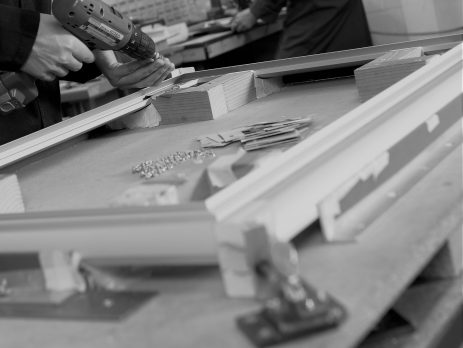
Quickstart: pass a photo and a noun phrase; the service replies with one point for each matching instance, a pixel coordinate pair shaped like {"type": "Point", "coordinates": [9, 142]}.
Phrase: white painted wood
{"type": "Point", "coordinates": [297, 182]}
{"type": "Point", "coordinates": [292, 185]}
{"type": "Point", "coordinates": [58, 133]}
{"type": "Point", "coordinates": [117, 236]}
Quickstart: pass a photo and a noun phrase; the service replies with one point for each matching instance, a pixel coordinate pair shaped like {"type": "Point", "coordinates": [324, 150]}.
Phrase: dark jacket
{"type": "Point", "coordinates": [317, 26]}
{"type": "Point", "coordinates": [19, 22]}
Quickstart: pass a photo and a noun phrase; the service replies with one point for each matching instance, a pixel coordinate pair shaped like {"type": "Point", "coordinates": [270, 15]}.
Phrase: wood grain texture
{"type": "Point", "coordinates": [206, 101]}
{"type": "Point", "coordinates": [381, 73]}
{"type": "Point", "coordinates": [11, 200]}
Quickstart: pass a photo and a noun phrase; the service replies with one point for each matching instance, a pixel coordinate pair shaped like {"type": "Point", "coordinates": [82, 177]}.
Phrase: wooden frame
{"type": "Point", "coordinates": [360, 136]}
{"type": "Point", "coordinates": [80, 124]}
{"type": "Point", "coordinates": [371, 129]}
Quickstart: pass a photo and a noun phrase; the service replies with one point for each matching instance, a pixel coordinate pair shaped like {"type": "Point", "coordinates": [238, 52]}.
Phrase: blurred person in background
{"type": "Point", "coordinates": [310, 26]}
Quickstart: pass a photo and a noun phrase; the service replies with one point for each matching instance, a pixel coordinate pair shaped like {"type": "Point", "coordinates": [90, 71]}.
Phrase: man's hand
{"type": "Point", "coordinates": [55, 51]}
{"type": "Point", "coordinates": [133, 74]}
{"type": "Point", "coordinates": [244, 20]}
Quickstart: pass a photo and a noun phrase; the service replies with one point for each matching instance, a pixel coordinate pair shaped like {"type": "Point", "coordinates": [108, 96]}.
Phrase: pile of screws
{"type": "Point", "coordinates": [151, 169]}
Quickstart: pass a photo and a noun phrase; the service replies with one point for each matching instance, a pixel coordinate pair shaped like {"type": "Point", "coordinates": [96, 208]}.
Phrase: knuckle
{"type": "Point", "coordinates": [62, 58]}
{"type": "Point", "coordinates": [60, 72]}
{"type": "Point", "coordinates": [47, 77]}
{"type": "Point", "coordinates": [77, 67]}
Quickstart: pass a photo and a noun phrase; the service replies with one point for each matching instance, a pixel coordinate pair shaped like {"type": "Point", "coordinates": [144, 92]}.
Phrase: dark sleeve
{"type": "Point", "coordinates": [88, 72]}
{"type": "Point", "coordinates": [267, 10]}
{"type": "Point", "coordinates": [18, 30]}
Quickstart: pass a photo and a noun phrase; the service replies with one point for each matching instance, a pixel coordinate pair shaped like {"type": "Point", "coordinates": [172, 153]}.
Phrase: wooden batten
{"type": "Point", "coordinates": [265, 87]}
{"type": "Point", "coordinates": [206, 101]}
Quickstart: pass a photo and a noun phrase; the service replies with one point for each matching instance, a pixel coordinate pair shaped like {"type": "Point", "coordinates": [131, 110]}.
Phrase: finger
{"type": "Point", "coordinates": [240, 27]}
{"type": "Point", "coordinates": [245, 27]}
{"type": "Point", "coordinates": [82, 53]}
{"type": "Point", "coordinates": [234, 25]}
{"type": "Point", "coordinates": [154, 79]}
{"type": "Point", "coordinates": [59, 71]}
{"type": "Point", "coordinates": [47, 77]}
{"type": "Point", "coordinates": [73, 64]}
{"type": "Point", "coordinates": [144, 72]}
{"type": "Point", "coordinates": [133, 66]}
{"type": "Point", "coordinates": [169, 63]}
{"type": "Point", "coordinates": [159, 79]}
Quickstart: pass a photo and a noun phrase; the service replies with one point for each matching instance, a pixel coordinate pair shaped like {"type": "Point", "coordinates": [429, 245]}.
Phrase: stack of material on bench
{"type": "Point", "coordinates": [208, 100]}
{"type": "Point", "coordinates": [11, 200]}
{"type": "Point", "coordinates": [379, 74]}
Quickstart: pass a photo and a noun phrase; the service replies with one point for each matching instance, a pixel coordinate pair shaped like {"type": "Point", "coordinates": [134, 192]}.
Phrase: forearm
{"type": "Point", "coordinates": [18, 31]}
{"type": "Point", "coordinates": [267, 10]}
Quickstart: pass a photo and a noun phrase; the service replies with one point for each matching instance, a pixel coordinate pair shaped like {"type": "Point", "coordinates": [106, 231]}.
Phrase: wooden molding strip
{"type": "Point", "coordinates": [297, 182]}
{"type": "Point", "coordinates": [291, 186]}
{"type": "Point", "coordinates": [80, 124]}
{"type": "Point", "coordinates": [117, 235]}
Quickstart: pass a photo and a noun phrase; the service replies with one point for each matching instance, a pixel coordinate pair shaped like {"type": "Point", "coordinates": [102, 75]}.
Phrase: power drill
{"type": "Point", "coordinates": [96, 24]}
{"type": "Point", "coordinates": [101, 26]}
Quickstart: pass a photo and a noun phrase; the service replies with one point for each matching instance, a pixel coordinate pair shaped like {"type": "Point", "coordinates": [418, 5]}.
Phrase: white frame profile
{"type": "Point", "coordinates": [299, 174]}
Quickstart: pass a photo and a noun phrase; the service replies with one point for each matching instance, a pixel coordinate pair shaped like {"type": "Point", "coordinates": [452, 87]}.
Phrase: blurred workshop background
{"type": "Point", "coordinates": [196, 33]}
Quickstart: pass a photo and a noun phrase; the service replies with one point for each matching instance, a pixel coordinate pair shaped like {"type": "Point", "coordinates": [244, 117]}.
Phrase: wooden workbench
{"type": "Point", "coordinates": [210, 46]}
{"type": "Point", "coordinates": [386, 267]}
{"type": "Point", "coordinates": [192, 310]}
{"type": "Point", "coordinates": [45, 182]}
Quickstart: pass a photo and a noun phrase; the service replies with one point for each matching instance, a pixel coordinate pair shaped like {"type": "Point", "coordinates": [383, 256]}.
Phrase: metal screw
{"type": "Point", "coordinates": [309, 304]}
{"type": "Point", "coordinates": [251, 319]}
{"type": "Point", "coordinates": [273, 304]}
{"type": "Point", "coordinates": [4, 289]}
{"type": "Point", "coordinates": [265, 333]}
{"type": "Point", "coordinates": [108, 303]}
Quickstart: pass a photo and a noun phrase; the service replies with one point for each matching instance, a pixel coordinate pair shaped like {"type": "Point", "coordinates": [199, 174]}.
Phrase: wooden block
{"type": "Point", "coordinates": [11, 200]}
{"type": "Point", "coordinates": [61, 271]}
{"type": "Point", "coordinates": [238, 88]}
{"type": "Point", "coordinates": [148, 117]}
{"type": "Point", "coordinates": [383, 72]}
{"type": "Point", "coordinates": [208, 100]}
{"type": "Point", "coordinates": [265, 87]}
{"type": "Point", "coordinates": [220, 171]}
{"type": "Point", "coordinates": [448, 262]}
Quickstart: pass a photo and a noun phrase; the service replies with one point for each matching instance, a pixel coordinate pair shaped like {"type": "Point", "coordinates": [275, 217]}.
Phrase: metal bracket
{"type": "Point", "coordinates": [30, 289]}
{"type": "Point", "coordinates": [292, 307]}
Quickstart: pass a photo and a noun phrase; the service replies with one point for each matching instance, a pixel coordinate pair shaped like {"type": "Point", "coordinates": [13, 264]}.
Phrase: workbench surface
{"type": "Point", "coordinates": [210, 46]}
{"type": "Point", "coordinates": [192, 310]}
{"type": "Point", "coordinates": [90, 174]}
